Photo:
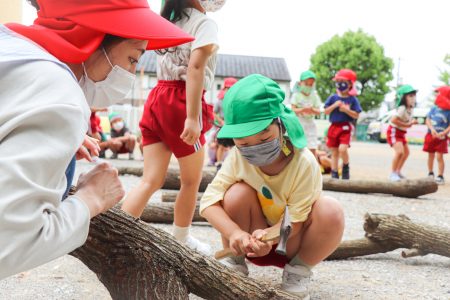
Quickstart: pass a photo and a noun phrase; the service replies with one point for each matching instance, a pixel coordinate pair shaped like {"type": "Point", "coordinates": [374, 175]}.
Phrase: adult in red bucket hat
{"type": "Point", "coordinates": [78, 53]}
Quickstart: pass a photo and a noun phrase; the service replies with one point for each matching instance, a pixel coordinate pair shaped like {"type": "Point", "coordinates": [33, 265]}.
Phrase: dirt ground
{"type": "Point", "coordinates": [381, 276]}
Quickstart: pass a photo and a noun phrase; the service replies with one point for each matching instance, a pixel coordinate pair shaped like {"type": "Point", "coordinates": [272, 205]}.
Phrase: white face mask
{"type": "Point", "coordinates": [118, 126]}
{"type": "Point", "coordinates": [114, 88]}
{"type": "Point", "coordinates": [212, 5]}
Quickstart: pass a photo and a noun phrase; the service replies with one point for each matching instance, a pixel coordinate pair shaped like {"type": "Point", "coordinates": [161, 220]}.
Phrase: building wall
{"type": "Point", "coordinates": [10, 11]}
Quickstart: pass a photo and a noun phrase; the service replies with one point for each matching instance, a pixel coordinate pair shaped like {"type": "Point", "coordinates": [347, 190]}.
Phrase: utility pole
{"type": "Point", "coordinates": [399, 80]}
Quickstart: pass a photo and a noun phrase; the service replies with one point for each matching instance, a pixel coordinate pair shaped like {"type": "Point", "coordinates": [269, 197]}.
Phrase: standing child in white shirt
{"type": "Point", "coordinates": [176, 116]}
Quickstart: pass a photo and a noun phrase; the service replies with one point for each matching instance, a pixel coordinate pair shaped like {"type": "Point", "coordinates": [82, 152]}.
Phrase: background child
{"type": "Point", "coordinates": [218, 151]}
{"type": "Point", "coordinates": [265, 173]}
{"type": "Point", "coordinates": [176, 115]}
{"type": "Point", "coordinates": [122, 140]}
{"type": "Point", "coordinates": [343, 108]}
{"type": "Point", "coordinates": [399, 124]}
{"type": "Point", "coordinates": [306, 104]}
{"type": "Point", "coordinates": [436, 140]}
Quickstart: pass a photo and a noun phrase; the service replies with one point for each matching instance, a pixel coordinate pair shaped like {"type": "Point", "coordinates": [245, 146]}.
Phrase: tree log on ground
{"type": "Point", "coordinates": [385, 233]}
{"type": "Point", "coordinates": [405, 188]}
{"type": "Point", "coordinates": [137, 261]}
{"type": "Point", "coordinates": [163, 213]}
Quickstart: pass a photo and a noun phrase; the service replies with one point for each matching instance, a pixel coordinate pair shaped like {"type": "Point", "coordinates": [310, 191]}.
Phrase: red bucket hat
{"type": "Point", "coordinates": [443, 97]}
{"type": "Point", "coordinates": [349, 75]}
{"type": "Point", "coordinates": [227, 83]}
{"type": "Point", "coordinates": [72, 30]}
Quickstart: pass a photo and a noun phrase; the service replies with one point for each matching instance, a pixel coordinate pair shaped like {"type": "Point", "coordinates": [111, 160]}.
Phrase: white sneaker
{"type": "Point", "coordinates": [201, 247]}
{"type": "Point", "coordinates": [401, 176]}
{"type": "Point", "coordinates": [236, 263]}
{"type": "Point", "coordinates": [394, 177]}
{"type": "Point", "coordinates": [296, 280]}
{"type": "Point", "coordinates": [440, 180]}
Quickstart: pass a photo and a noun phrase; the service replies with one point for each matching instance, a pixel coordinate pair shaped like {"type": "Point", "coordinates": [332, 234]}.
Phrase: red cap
{"type": "Point", "coordinates": [345, 74]}
{"type": "Point", "coordinates": [72, 30]}
{"type": "Point", "coordinates": [443, 97]}
{"type": "Point", "coordinates": [227, 83]}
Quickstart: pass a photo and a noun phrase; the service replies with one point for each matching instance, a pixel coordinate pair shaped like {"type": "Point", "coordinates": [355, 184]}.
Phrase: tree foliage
{"type": "Point", "coordinates": [361, 53]}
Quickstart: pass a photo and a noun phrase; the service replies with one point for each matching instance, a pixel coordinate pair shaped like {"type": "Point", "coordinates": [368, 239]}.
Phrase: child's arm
{"type": "Point", "coordinates": [349, 111]}
{"type": "Point", "coordinates": [332, 107]}
{"type": "Point", "coordinates": [194, 90]}
{"type": "Point", "coordinates": [430, 126]}
{"type": "Point", "coordinates": [397, 122]}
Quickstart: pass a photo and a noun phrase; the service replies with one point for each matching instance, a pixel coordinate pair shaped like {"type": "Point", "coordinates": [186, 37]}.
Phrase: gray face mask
{"type": "Point", "coordinates": [262, 154]}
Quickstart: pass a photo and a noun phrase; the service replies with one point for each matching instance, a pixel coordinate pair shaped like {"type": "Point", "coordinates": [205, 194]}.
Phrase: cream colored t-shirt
{"type": "Point", "coordinates": [173, 64]}
{"type": "Point", "coordinates": [298, 185]}
{"type": "Point", "coordinates": [405, 115]}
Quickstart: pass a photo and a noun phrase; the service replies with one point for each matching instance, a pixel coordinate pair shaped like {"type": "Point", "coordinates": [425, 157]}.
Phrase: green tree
{"type": "Point", "coordinates": [361, 53]}
{"type": "Point", "coordinates": [444, 77]}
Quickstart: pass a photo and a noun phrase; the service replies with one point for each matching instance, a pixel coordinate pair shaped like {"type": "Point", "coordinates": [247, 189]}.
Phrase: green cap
{"type": "Point", "coordinates": [251, 105]}
{"type": "Point", "coordinates": [113, 116]}
{"type": "Point", "coordinates": [307, 74]}
{"type": "Point", "coordinates": [404, 90]}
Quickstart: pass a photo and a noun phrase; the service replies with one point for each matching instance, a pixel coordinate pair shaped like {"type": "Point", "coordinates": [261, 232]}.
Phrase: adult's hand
{"type": "Point", "coordinates": [89, 148]}
{"type": "Point", "coordinates": [100, 188]}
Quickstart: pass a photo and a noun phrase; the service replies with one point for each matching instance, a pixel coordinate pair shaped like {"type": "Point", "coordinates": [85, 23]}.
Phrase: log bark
{"type": "Point", "coordinates": [137, 261]}
{"type": "Point", "coordinates": [385, 233]}
{"type": "Point", "coordinates": [163, 213]}
{"type": "Point", "coordinates": [405, 188]}
{"type": "Point", "coordinates": [172, 181]}
{"type": "Point", "coordinates": [169, 196]}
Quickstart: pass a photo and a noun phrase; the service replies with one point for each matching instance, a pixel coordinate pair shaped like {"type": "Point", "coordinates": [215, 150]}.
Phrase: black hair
{"type": "Point", "coordinates": [174, 10]}
{"type": "Point", "coordinates": [34, 4]}
{"type": "Point", "coordinates": [109, 40]}
{"type": "Point", "coordinates": [229, 142]}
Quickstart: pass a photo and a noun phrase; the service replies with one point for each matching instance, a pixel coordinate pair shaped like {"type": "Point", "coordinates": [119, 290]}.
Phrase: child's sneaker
{"type": "Point", "coordinates": [130, 156]}
{"type": "Point", "coordinates": [394, 177]}
{"type": "Point", "coordinates": [346, 172]}
{"type": "Point", "coordinates": [431, 175]}
{"type": "Point", "coordinates": [401, 176]}
{"type": "Point", "coordinates": [296, 280]}
{"type": "Point", "coordinates": [440, 180]}
{"type": "Point", "coordinates": [114, 156]}
{"type": "Point", "coordinates": [236, 263]}
{"type": "Point", "coordinates": [195, 244]}
{"type": "Point", "coordinates": [334, 174]}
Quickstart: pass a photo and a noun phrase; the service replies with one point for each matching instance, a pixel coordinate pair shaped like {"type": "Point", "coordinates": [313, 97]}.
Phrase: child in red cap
{"type": "Point", "coordinates": [436, 140]}
{"type": "Point", "coordinates": [343, 108]}
{"type": "Point", "coordinates": [399, 124]}
{"type": "Point", "coordinates": [176, 115]}
{"type": "Point", "coordinates": [217, 152]}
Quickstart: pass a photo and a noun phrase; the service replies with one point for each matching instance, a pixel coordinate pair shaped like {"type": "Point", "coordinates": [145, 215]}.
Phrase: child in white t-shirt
{"type": "Point", "coordinates": [176, 115]}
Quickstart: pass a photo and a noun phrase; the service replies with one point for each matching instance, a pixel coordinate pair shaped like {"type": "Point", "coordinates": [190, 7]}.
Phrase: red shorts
{"type": "Point", "coordinates": [271, 259]}
{"type": "Point", "coordinates": [395, 135]}
{"type": "Point", "coordinates": [164, 117]}
{"type": "Point", "coordinates": [339, 134]}
{"type": "Point", "coordinates": [433, 145]}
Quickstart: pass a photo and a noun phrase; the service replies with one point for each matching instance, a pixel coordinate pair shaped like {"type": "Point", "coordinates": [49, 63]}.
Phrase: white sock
{"type": "Point", "coordinates": [180, 233]}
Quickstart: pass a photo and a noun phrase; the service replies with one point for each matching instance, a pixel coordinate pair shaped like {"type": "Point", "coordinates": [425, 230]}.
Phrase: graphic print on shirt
{"type": "Point", "coordinates": [268, 206]}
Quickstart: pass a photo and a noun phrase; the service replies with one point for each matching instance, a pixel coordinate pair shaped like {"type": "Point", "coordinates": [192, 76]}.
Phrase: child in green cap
{"type": "Point", "coordinates": [266, 173]}
{"type": "Point", "coordinates": [306, 104]}
{"type": "Point", "coordinates": [399, 124]}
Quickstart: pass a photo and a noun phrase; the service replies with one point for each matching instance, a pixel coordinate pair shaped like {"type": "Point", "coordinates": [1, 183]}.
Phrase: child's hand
{"type": "Point", "coordinates": [414, 122]}
{"type": "Point", "coordinates": [434, 133]}
{"type": "Point", "coordinates": [191, 131]}
{"type": "Point", "coordinates": [344, 107]}
{"type": "Point", "coordinates": [441, 135]}
{"type": "Point", "coordinates": [240, 242]}
{"type": "Point", "coordinates": [338, 103]}
{"type": "Point", "coordinates": [259, 248]}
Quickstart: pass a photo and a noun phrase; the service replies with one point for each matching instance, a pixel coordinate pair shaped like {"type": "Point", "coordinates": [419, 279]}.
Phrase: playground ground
{"type": "Point", "coordinates": [381, 276]}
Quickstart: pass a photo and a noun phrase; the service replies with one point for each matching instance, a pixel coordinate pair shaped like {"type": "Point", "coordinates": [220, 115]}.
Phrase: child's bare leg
{"type": "Point", "coordinates": [246, 214]}
{"type": "Point", "coordinates": [191, 168]}
{"type": "Point", "coordinates": [156, 161]}
{"type": "Point", "coordinates": [343, 153]}
{"type": "Point", "coordinates": [403, 158]}
{"type": "Point", "coordinates": [334, 158]}
{"type": "Point", "coordinates": [430, 162]}
{"type": "Point", "coordinates": [322, 232]}
{"type": "Point", "coordinates": [398, 153]}
{"type": "Point", "coordinates": [131, 143]}
{"type": "Point", "coordinates": [441, 164]}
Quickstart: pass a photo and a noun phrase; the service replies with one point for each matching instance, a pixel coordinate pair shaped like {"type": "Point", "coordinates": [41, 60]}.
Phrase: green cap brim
{"type": "Point", "coordinates": [236, 131]}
